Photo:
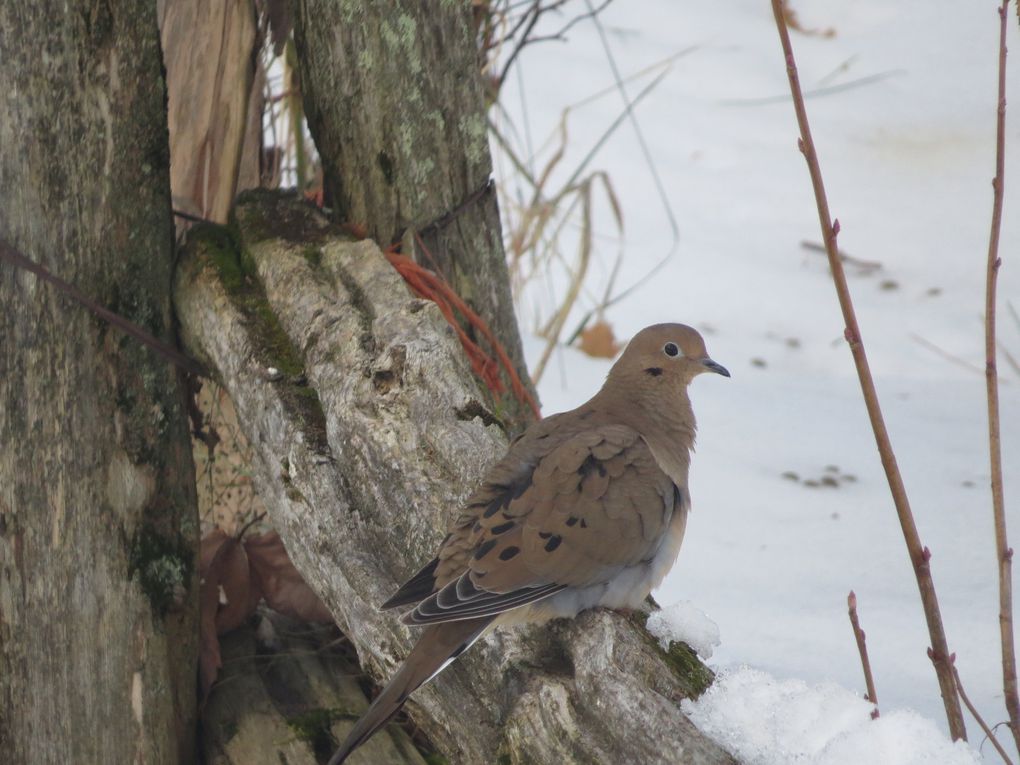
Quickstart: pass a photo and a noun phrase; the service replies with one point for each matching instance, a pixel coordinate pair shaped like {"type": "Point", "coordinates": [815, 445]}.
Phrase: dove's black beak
{"type": "Point", "coordinates": [713, 366]}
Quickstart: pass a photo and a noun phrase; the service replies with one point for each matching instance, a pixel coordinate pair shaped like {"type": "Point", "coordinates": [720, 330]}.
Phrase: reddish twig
{"type": "Point", "coordinates": [919, 555]}
{"type": "Point", "coordinates": [1003, 551]}
{"type": "Point", "coordinates": [980, 720]}
{"type": "Point", "coordinates": [428, 285]}
{"type": "Point", "coordinates": [862, 648]}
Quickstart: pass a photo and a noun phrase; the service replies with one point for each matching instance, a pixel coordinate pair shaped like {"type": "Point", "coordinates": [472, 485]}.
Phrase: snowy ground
{"type": "Point", "coordinates": [908, 159]}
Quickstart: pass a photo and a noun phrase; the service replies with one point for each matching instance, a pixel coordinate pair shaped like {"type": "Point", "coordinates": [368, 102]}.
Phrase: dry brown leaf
{"type": "Point", "coordinates": [227, 598]}
{"type": "Point", "coordinates": [598, 341]}
{"type": "Point", "coordinates": [235, 576]}
{"type": "Point", "coordinates": [280, 583]}
{"type": "Point", "coordinates": [794, 23]}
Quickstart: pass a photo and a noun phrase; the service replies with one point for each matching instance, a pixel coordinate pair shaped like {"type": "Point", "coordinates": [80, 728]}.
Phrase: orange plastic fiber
{"type": "Point", "coordinates": [431, 286]}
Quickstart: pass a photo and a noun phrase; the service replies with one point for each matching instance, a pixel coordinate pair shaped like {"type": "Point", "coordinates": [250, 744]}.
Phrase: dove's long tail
{"type": "Point", "coordinates": [438, 645]}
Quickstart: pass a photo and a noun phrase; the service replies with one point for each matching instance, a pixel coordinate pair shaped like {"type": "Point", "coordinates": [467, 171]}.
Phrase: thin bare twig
{"type": "Point", "coordinates": [862, 649]}
{"type": "Point", "coordinates": [980, 720]}
{"type": "Point", "coordinates": [1003, 551]}
{"type": "Point", "coordinates": [14, 256]}
{"type": "Point", "coordinates": [529, 19]}
{"type": "Point", "coordinates": [920, 556]}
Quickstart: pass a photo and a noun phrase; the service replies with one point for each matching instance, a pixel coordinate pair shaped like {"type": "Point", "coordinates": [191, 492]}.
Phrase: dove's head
{"type": "Point", "coordinates": [667, 353]}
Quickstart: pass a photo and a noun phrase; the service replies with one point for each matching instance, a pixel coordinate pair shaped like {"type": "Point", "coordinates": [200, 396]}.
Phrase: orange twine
{"type": "Point", "coordinates": [431, 286]}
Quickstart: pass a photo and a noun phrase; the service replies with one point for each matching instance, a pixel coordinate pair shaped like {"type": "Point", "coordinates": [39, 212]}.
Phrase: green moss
{"type": "Point", "coordinates": [313, 727]}
{"type": "Point", "coordinates": [693, 675]}
{"type": "Point", "coordinates": [313, 255]}
{"type": "Point", "coordinates": [219, 244]}
{"type": "Point", "coordinates": [686, 664]}
{"type": "Point", "coordinates": [434, 758]}
{"type": "Point", "coordinates": [273, 347]}
{"type": "Point", "coordinates": [639, 618]}
{"type": "Point", "coordinates": [162, 565]}
{"type": "Point", "coordinates": [267, 214]}
{"type": "Point", "coordinates": [275, 343]}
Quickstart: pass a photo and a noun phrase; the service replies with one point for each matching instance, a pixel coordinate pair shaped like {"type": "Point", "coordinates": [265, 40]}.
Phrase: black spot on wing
{"type": "Point", "coordinates": [553, 543]}
{"type": "Point", "coordinates": [503, 527]}
{"type": "Point", "coordinates": [591, 464]}
{"type": "Point", "coordinates": [505, 493]}
{"type": "Point", "coordinates": [484, 548]}
{"type": "Point", "coordinates": [509, 552]}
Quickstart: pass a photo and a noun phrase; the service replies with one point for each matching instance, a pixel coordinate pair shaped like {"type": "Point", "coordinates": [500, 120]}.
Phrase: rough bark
{"type": "Point", "coordinates": [369, 431]}
{"type": "Point", "coordinates": [395, 102]}
{"type": "Point", "coordinates": [287, 693]}
{"type": "Point", "coordinates": [98, 525]}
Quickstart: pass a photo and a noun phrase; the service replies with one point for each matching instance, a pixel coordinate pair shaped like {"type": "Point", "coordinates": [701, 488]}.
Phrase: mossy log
{"type": "Point", "coordinates": [364, 447]}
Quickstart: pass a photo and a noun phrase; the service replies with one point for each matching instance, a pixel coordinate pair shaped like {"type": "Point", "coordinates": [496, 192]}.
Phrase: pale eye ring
{"type": "Point", "coordinates": [671, 349]}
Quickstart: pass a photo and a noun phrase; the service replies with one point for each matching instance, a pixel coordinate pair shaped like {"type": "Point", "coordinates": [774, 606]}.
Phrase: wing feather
{"type": "Point", "coordinates": [576, 516]}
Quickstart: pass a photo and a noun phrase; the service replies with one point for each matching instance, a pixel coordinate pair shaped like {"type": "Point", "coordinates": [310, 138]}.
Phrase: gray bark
{"type": "Point", "coordinates": [287, 692]}
{"type": "Point", "coordinates": [395, 102]}
{"type": "Point", "coordinates": [98, 524]}
{"type": "Point", "coordinates": [369, 432]}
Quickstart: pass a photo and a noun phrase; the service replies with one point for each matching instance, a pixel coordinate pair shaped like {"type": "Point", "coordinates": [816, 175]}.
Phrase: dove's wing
{"type": "Point", "coordinates": [590, 507]}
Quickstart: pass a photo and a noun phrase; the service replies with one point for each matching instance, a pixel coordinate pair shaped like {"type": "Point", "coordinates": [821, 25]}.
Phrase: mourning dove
{"type": "Point", "coordinates": [587, 508]}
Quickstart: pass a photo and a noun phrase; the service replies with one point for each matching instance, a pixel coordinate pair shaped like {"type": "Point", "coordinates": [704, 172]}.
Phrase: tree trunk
{"type": "Point", "coordinates": [369, 432]}
{"type": "Point", "coordinates": [395, 102]}
{"type": "Point", "coordinates": [98, 526]}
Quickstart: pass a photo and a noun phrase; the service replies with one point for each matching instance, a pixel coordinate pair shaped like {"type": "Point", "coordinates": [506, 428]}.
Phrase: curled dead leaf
{"type": "Point", "coordinates": [599, 341]}
{"type": "Point", "coordinates": [280, 583]}
{"type": "Point", "coordinates": [235, 576]}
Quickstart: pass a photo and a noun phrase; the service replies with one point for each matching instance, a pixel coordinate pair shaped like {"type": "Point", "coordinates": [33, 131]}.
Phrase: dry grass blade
{"type": "Point", "coordinates": [584, 258]}
{"type": "Point", "coordinates": [919, 555]}
{"type": "Point", "coordinates": [535, 227]}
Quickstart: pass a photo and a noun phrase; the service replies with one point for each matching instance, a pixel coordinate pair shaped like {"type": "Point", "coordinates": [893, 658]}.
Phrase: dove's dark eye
{"type": "Point", "coordinates": [670, 349]}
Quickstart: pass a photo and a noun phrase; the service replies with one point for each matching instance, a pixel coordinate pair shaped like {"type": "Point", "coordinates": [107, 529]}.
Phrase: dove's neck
{"type": "Point", "coordinates": [666, 422]}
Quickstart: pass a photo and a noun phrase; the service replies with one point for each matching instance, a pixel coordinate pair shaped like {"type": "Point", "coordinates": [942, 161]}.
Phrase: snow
{"type": "Point", "coordinates": [684, 622]}
{"type": "Point", "coordinates": [764, 721]}
{"type": "Point", "coordinates": [790, 505]}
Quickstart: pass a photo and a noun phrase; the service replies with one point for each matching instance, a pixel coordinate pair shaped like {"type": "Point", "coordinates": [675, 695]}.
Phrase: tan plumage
{"type": "Point", "coordinates": [587, 508]}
